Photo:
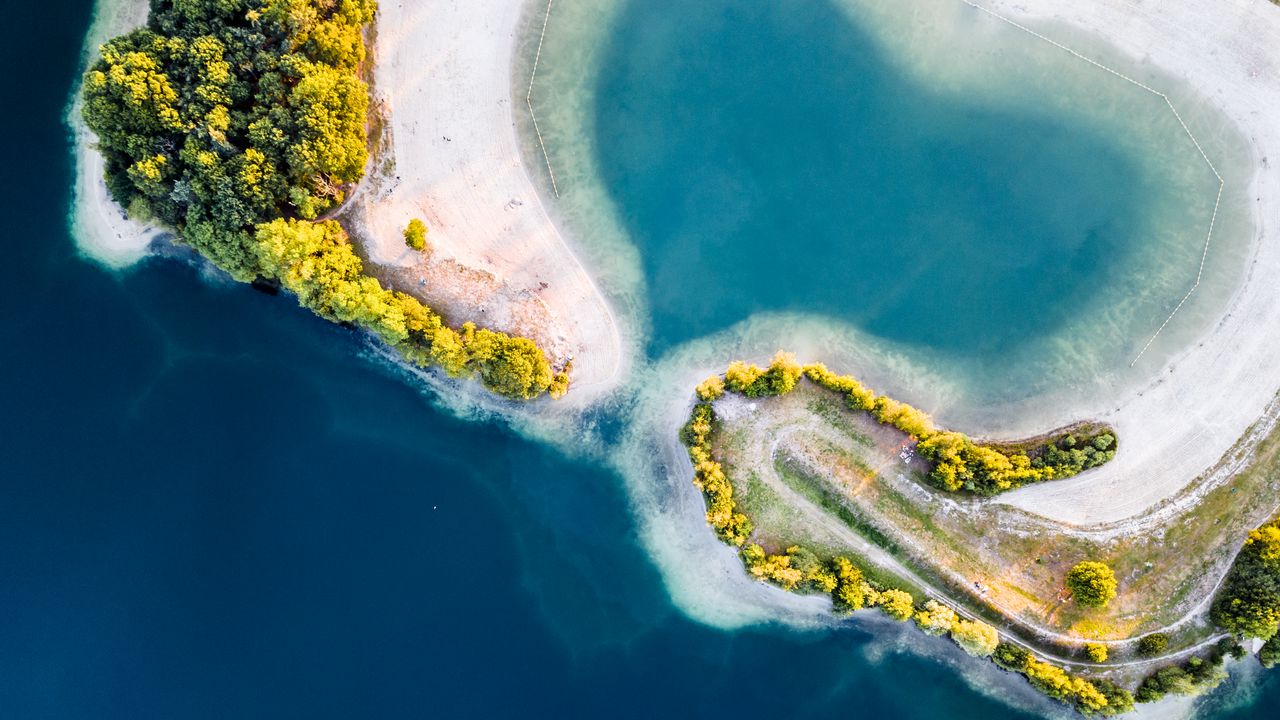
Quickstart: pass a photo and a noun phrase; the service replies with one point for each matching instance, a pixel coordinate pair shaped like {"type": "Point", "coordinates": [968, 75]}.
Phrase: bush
{"type": "Point", "coordinates": [1096, 652]}
{"type": "Point", "coordinates": [935, 618]}
{"type": "Point", "coordinates": [1092, 584]}
{"type": "Point", "coordinates": [1153, 644]}
{"type": "Point", "coordinates": [976, 638]}
{"type": "Point", "coordinates": [415, 235]}
{"type": "Point", "coordinates": [1270, 652]}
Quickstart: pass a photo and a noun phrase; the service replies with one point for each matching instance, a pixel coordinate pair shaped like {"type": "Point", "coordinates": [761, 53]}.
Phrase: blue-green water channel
{"type": "Point", "coordinates": [213, 505]}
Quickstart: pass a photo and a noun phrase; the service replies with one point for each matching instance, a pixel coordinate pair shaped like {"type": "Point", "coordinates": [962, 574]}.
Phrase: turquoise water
{"type": "Point", "coordinates": [213, 505]}
{"type": "Point", "coordinates": [767, 157]}
{"type": "Point", "coordinates": [960, 200]}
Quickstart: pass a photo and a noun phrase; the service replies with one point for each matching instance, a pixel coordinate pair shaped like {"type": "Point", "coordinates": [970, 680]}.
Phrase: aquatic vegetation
{"type": "Point", "coordinates": [238, 124]}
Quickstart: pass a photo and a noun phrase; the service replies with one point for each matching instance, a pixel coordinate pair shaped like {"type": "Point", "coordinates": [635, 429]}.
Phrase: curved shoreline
{"type": "Point", "coordinates": [99, 226]}
{"type": "Point", "coordinates": [1197, 407]}
{"type": "Point", "coordinates": [452, 157]}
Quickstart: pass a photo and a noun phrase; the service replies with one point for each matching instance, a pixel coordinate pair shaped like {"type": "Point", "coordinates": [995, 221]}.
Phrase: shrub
{"type": "Point", "coordinates": [1092, 584]}
{"type": "Point", "coordinates": [1096, 652]}
{"type": "Point", "coordinates": [415, 235]}
{"type": "Point", "coordinates": [1153, 644]}
{"type": "Point", "coordinates": [975, 637]}
{"type": "Point", "coordinates": [935, 618]}
{"type": "Point", "coordinates": [710, 389]}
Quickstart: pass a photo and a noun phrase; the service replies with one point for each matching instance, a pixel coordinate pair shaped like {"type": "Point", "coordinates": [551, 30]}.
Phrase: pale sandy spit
{"type": "Point", "coordinates": [98, 224]}
{"type": "Point", "coordinates": [451, 156]}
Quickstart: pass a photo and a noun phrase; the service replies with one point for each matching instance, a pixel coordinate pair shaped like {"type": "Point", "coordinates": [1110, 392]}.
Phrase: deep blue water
{"type": "Point", "coordinates": [767, 156]}
{"type": "Point", "coordinates": [211, 506]}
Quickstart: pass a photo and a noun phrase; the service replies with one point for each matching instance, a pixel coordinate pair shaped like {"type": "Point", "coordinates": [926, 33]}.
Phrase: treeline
{"type": "Point", "coordinates": [1248, 605]}
{"type": "Point", "coordinates": [1090, 697]}
{"type": "Point", "coordinates": [1194, 677]}
{"type": "Point", "coordinates": [958, 463]}
{"type": "Point", "coordinates": [798, 569]}
{"type": "Point", "coordinates": [238, 123]}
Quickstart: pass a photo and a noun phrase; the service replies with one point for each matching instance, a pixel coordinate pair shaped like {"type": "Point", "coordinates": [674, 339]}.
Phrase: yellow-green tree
{"type": "Point", "coordinates": [415, 235]}
{"type": "Point", "coordinates": [975, 637]}
{"type": "Point", "coordinates": [1092, 584]}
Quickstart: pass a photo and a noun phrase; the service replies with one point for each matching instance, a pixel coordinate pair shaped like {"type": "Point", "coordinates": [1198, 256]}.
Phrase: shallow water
{"type": "Point", "coordinates": [215, 505]}
{"type": "Point", "coordinates": [961, 198]}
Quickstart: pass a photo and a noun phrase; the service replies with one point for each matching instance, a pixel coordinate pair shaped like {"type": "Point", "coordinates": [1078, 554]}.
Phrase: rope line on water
{"type": "Point", "coordinates": [1204, 255]}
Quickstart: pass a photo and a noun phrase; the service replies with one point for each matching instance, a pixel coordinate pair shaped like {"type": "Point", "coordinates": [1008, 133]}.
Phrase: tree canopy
{"type": "Point", "coordinates": [1249, 602]}
{"type": "Point", "coordinates": [1092, 584]}
{"type": "Point", "coordinates": [237, 123]}
{"type": "Point", "coordinates": [222, 114]}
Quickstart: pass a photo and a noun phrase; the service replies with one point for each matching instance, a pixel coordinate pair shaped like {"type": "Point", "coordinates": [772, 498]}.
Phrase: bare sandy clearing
{"type": "Point", "coordinates": [443, 71]}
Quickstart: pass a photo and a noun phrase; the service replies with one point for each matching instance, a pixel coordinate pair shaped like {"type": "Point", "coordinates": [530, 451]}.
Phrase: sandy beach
{"type": "Point", "coordinates": [451, 156]}
{"type": "Point", "coordinates": [443, 78]}
{"type": "Point", "coordinates": [1178, 427]}
{"type": "Point", "coordinates": [101, 230]}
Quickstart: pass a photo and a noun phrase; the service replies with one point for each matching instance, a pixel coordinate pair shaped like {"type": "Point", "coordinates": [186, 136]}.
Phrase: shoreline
{"type": "Point", "coordinates": [487, 217]}
{"type": "Point", "coordinates": [1181, 425]}
{"type": "Point", "coordinates": [499, 260]}
{"type": "Point", "coordinates": [450, 154]}
{"type": "Point", "coordinates": [99, 227]}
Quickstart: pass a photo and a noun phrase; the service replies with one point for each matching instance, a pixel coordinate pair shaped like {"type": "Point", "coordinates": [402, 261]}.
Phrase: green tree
{"type": "Point", "coordinates": [1249, 602]}
{"type": "Point", "coordinates": [1153, 644]}
{"type": "Point", "coordinates": [1092, 584]}
{"type": "Point", "coordinates": [415, 235]}
{"type": "Point", "coordinates": [1270, 652]}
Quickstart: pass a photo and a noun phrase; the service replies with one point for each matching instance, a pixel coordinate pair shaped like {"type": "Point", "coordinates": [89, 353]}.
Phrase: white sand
{"type": "Point", "coordinates": [443, 69]}
{"type": "Point", "coordinates": [1181, 424]}
{"type": "Point", "coordinates": [99, 226]}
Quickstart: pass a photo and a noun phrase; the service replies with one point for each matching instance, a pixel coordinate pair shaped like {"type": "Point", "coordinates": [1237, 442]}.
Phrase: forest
{"type": "Point", "coordinates": [239, 124]}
